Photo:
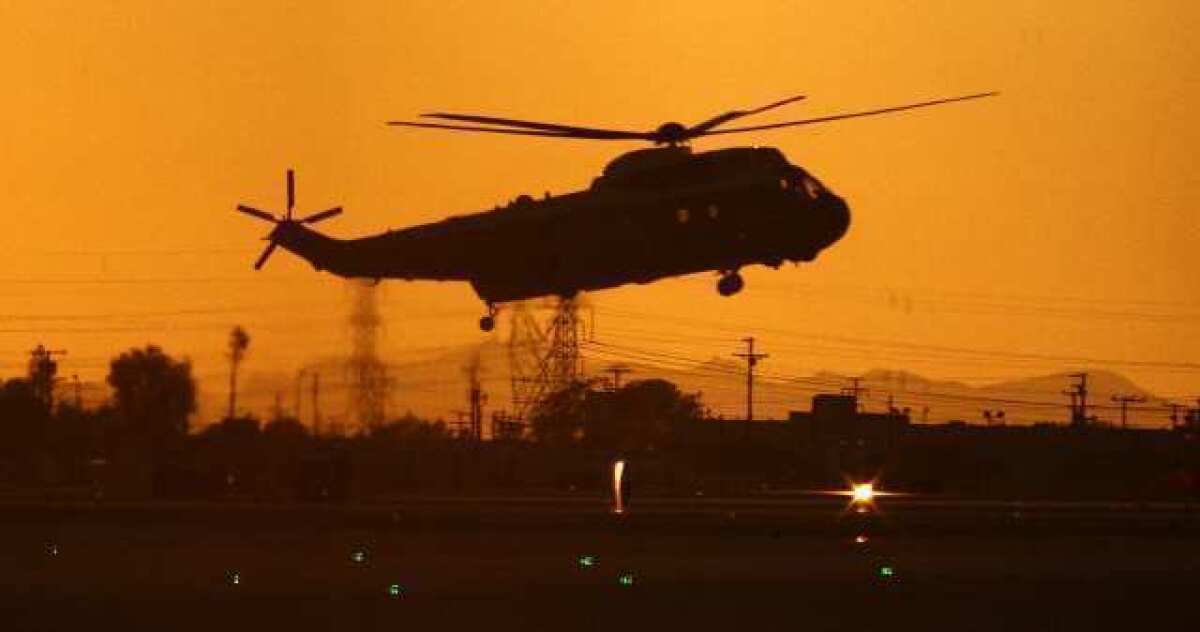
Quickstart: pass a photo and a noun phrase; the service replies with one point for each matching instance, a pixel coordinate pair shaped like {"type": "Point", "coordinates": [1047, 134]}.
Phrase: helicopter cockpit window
{"type": "Point", "coordinates": [811, 187]}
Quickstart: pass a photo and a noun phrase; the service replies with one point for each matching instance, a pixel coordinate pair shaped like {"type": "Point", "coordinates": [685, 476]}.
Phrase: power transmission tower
{"type": "Point", "coordinates": [526, 349]}
{"type": "Point", "coordinates": [368, 375]}
{"type": "Point", "coordinates": [1078, 394]}
{"type": "Point", "coordinates": [1125, 400]}
{"type": "Point", "coordinates": [563, 364]}
{"type": "Point", "coordinates": [751, 359]}
{"type": "Point", "coordinates": [543, 361]}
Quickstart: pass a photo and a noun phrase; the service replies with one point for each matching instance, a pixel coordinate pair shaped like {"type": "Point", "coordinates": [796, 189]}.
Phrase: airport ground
{"type": "Point", "coordinates": [782, 562]}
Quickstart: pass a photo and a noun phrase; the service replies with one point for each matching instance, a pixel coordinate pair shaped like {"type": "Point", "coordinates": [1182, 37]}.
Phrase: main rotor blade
{"type": "Point", "coordinates": [291, 191]}
{"type": "Point", "coordinates": [736, 114]}
{"type": "Point", "coordinates": [837, 117]}
{"type": "Point", "coordinates": [589, 132]}
{"type": "Point", "coordinates": [516, 132]}
{"type": "Point", "coordinates": [250, 210]}
{"type": "Point", "coordinates": [263, 257]}
{"type": "Point", "coordinates": [323, 215]}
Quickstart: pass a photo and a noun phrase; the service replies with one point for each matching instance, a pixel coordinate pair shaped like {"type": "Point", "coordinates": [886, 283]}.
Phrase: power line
{"type": "Point", "coordinates": [944, 349]}
{"type": "Point", "coordinates": [646, 356]}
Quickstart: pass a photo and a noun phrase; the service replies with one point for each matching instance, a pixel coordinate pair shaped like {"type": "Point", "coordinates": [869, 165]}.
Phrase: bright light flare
{"type": "Point", "coordinates": [862, 493]}
{"type": "Point", "coordinates": [618, 472]}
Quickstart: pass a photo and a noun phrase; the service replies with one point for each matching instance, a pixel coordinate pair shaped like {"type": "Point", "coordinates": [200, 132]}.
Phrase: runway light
{"type": "Point", "coordinates": [235, 578]}
{"type": "Point", "coordinates": [887, 571]}
{"type": "Point", "coordinates": [52, 550]}
{"type": "Point", "coordinates": [860, 539]}
{"type": "Point", "coordinates": [625, 579]}
{"type": "Point", "coordinates": [395, 590]}
{"type": "Point", "coordinates": [358, 556]}
{"type": "Point", "coordinates": [587, 561]}
{"type": "Point", "coordinates": [862, 493]}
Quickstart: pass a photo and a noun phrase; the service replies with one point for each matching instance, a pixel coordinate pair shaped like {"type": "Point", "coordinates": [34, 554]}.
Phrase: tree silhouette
{"type": "Point", "coordinates": [559, 418]}
{"type": "Point", "coordinates": [154, 393]}
{"type": "Point", "coordinates": [642, 414]}
{"type": "Point", "coordinates": [24, 419]}
{"type": "Point", "coordinates": [239, 341]}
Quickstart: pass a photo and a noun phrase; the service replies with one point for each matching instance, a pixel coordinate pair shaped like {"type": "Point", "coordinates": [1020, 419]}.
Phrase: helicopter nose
{"type": "Point", "coordinates": [835, 221]}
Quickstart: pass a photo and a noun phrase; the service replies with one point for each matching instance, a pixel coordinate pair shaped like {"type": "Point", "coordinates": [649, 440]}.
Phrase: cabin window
{"type": "Point", "coordinates": [713, 211]}
{"type": "Point", "coordinates": [811, 187]}
{"type": "Point", "coordinates": [683, 215]}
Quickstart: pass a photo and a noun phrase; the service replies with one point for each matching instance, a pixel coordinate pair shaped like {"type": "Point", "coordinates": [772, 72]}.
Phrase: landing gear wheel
{"type": "Point", "coordinates": [730, 284]}
{"type": "Point", "coordinates": [488, 322]}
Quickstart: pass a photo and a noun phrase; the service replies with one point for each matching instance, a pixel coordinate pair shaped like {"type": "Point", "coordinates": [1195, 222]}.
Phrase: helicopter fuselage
{"type": "Point", "coordinates": [655, 213]}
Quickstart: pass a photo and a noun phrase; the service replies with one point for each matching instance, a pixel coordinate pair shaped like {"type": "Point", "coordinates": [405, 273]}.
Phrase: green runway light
{"type": "Point", "coordinates": [587, 561]}
{"type": "Point", "coordinates": [625, 579]}
{"type": "Point", "coordinates": [886, 571]}
{"type": "Point", "coordinates": [395, 590]}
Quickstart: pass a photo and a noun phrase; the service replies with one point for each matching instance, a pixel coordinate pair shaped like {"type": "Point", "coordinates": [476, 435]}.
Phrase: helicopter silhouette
{"type": "Point", "coordinates": [653, 213]}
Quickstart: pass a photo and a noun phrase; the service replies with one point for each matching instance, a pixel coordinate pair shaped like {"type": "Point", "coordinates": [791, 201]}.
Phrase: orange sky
{"type": "Point", "coordinates": [1059, 219]}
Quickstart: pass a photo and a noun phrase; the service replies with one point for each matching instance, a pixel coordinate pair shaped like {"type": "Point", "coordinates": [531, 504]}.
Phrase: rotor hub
{"type": "Point", "coordinates": [671, 133]}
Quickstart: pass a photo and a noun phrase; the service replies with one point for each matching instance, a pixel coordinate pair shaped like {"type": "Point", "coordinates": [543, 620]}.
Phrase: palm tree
{"type": "Point", "coordinates": [239, 340]}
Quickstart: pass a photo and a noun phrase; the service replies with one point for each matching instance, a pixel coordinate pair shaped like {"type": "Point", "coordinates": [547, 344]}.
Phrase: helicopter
{"type": "Point", "coordinates": [653, 213]}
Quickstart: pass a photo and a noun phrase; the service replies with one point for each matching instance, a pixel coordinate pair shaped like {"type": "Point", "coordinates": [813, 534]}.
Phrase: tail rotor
{"type": "Point", "coordinates": [285, 221]}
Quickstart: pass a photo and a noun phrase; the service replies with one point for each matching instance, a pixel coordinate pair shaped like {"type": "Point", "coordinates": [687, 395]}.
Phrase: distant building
{"type": "Point", "coordinates": [836, 420]}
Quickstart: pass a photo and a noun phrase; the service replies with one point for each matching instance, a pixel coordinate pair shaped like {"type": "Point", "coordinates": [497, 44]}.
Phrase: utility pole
{"type": "Point", "coordinates": [854, 390]}
{"type": "Point", "coordinates": [752, 359]}
{"type": "Point", "coordinates": [477, 398]}
{"type": "Point", "coordinates": [1125, 400]}
{"type": "Point", "coordinates": [617, 371]}
{"type": "Point", "coordinates": [1175, 408]}
{"type": "Point", "coordinates": [316, 389]}
{"type": "Point", "coordinates": [1078, 394]}
{"type": "Point", "coordinates": [78, 392]}
{"type": "Point", "coordinates": [299, 391]}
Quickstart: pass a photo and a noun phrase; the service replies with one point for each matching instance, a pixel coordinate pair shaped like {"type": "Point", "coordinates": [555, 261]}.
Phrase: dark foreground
{"type": "Point", "coordinates": [498, 564]}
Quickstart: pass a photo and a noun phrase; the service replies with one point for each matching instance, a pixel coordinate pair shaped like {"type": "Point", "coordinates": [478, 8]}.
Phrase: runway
{"type": "Point", "coordinates": [775, 562]}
